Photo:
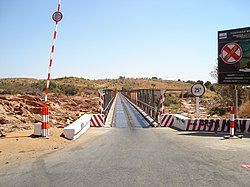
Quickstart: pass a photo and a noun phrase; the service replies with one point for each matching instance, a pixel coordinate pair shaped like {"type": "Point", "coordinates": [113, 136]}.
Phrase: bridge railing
{"type": "Point", "coordinates": [106, 98]}
{"type": "Point", "coordinates": [147, 99]}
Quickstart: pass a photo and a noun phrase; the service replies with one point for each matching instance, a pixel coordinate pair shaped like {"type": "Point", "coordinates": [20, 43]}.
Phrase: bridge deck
{"type": "Point", "coordinates": [126, 116]}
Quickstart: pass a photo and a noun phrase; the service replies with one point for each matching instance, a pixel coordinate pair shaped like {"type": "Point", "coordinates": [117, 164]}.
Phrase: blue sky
{"type": "Point", "coordinates": [111, 38]}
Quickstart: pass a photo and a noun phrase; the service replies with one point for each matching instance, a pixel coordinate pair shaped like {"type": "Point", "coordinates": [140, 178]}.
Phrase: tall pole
{"type": "Point", "coordinates": [57, 16]}
{"type": "Point", "coordinates": [236, 101]}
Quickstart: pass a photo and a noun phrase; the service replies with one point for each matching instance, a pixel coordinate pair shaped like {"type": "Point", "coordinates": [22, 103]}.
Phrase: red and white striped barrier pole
{"type": "Point", "coordinates": [162, 99]}
{"type": "Point", "coordinates": [232, 121]}
{"type": "Point", "coordinates": [57, 17]}
{"type": "Point", "coordinates": [101, 101]}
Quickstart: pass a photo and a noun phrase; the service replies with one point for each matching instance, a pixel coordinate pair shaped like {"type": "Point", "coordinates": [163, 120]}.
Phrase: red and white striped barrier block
{"type": "Point", "coordinates": [218, 125]}
{"type": "Point", "coordinates": [97, 120]}
{"type": "Point", "coordinates": [243, 125]}
{"type": "Point", "coordinates": [167, 120]}
{"type": "Point", "coordinates": [209, 125]}
{"type": "Point", "coordinates": [174, 120]}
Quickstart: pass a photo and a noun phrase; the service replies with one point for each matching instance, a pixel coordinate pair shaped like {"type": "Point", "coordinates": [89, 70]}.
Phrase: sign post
{"type": "Point", "coordinates": [197, 107]}
{"type": "Point", "coordinates": [198, 90]}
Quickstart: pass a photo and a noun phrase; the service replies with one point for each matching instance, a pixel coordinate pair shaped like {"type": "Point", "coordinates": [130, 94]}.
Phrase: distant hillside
{"type": "Point", "coordinates": [81, 86]}
{"type": "Point", "coordinates": [84, 87]}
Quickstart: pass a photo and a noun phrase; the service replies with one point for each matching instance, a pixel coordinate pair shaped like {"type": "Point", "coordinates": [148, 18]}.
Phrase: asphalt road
{"type": "Point", "coordinates": [138, 157]}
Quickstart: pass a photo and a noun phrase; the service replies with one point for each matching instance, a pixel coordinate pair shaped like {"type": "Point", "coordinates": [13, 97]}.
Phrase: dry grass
{"type": "Point", "coordinates": [244, 110]}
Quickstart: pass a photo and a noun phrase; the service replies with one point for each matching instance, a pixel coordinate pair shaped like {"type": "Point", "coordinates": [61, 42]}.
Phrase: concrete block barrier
{"type": "Point", "coordinates": [78, 127]}
{"type": "Point", "coordinates": [210, 125]}
{"type": "Point", "coordinates": [167, 120]}
{"type": "Point", "coordinates": [218, 125]}
{"type": "Point", "coordinates": [37, 129]}
{"type": "Point", "coordinates": [180, 121]}
{"type": "Point", "coordinates": [243, 125]}
{"type": "Point", "coordinates": [174, 120]}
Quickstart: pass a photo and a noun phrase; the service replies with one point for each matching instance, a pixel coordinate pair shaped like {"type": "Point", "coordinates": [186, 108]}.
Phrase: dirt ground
{"type": "Point", "coordinates": [20, 145]}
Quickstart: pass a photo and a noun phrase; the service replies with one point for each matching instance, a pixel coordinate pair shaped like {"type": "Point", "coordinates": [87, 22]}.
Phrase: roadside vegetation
{"type": "Point", "coordinates": [70, 97]}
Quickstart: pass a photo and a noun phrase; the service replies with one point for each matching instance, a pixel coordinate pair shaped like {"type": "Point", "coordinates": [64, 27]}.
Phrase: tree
{"type": "Point", "coordinates": [122, 77]}
{"type": "Point", "coordinates": [207, 84]}
{"type": "Point", "coordinates": [200, 81]}
{"type": "Point", "coordinates": [190, 82]}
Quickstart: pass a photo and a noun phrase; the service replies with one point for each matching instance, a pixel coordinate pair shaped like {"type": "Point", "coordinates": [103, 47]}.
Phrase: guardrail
{"type": "Point", "coordinates": [106, 98]}
{"type": "Point", "coordinates": [147, 99]}
{"type": "Point", "coordinates": [106, 110]}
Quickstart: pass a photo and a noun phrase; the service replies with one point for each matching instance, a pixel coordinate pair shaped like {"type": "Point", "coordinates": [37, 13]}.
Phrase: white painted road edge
{"type": "Point", "coordinates": [109, 119]}
{"type": "Point", "coordinates": [78, 127]}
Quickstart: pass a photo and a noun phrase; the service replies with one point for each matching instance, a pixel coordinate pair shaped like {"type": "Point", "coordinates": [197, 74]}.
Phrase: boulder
{"type": "Point", "coordinates": [3, 120]}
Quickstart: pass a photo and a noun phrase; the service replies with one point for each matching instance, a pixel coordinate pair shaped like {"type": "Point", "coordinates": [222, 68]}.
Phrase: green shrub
{"type": "Point", "coordinates": [187, 94]}
{"type": "Point", "coordinates": [171, 100]}
{"type": "Point", "coordinates": [68, 89]}
{"type": "Point", "coordinates": [217, 111]}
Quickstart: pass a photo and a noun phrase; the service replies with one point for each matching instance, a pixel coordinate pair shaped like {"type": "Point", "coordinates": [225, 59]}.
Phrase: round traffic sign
{"type": "Point", "coordinates": [231, 53]}
{"type": "Point", "coordinates": [57, 16]}
{"type": "Point", "coordinates": [198, 89]}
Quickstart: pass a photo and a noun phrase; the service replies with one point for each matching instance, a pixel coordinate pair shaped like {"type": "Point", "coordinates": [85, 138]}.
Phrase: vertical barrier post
{"type": "Point", "coordinates": [155, 113]}
{"type": "Point", "coordinates": [101, 101]}
{"type": "Point", "coordinates": [45, 120]}
{"type": "Point", "coordinates": [162, 99]}
{"type": "Point", "coordinates": [57, 17]}
{"type": "Point", "coordinates": [236, 101]}
{"type": "Point", "coordinates": [136, 103]}
{"type": "Point", "coordinates": [232, 121]}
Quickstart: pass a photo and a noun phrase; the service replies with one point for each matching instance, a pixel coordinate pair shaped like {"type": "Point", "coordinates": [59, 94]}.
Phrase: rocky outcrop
{"type": "Point", "coordinates": [19, 112]}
